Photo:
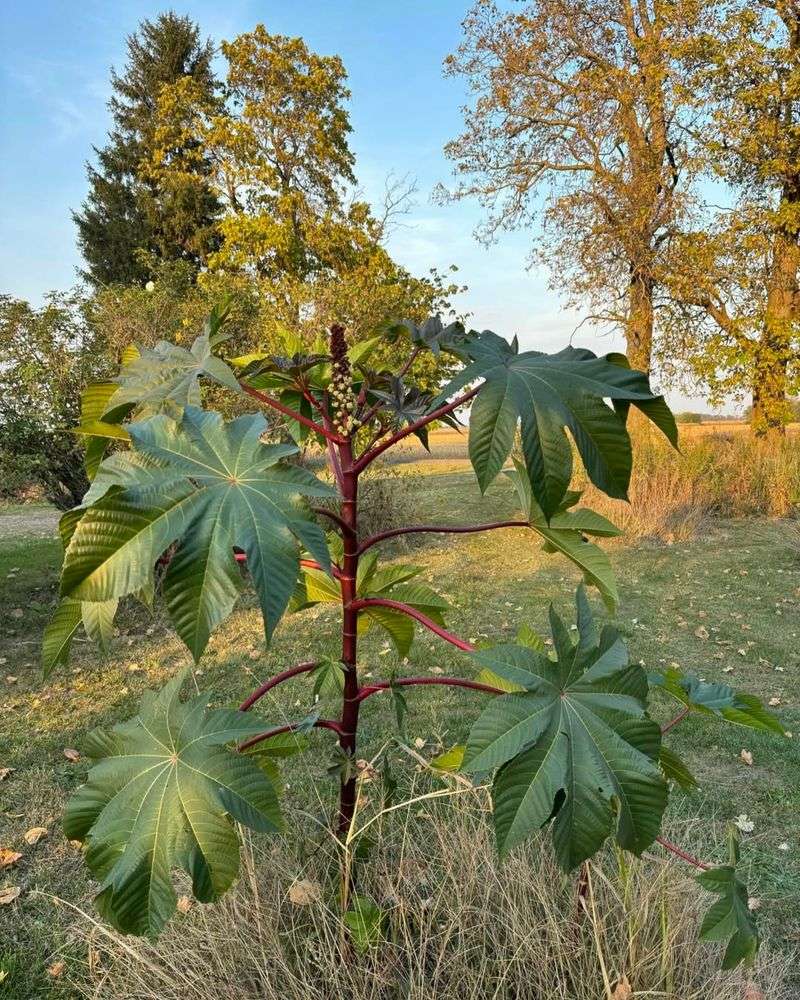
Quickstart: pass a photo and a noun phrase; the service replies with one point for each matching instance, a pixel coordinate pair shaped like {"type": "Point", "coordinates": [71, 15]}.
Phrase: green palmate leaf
{"type": "Point", "coordinates": [730, 917]}
{"type": "Point", "coordinates": [165, 794]}
{"type": "Point", "coordinates": [166, 377]}
{"type": "Point", "coordinates": [675, 769]}
{"type": "Point", "coordinates": [566, 533]}
{"type": "Point", "coordinates": [58, 634]}
{"type": "Point", "coordinates": [450, 760]}
{"type": "Point", "coordinates": [391, 582]}
{"type": "Point", "coordinates": [98, 621]}
{"type": "Point", "coordinates": [328, 677]}
{"type": "Point", "coordinates": [100, 422]}
{"type": "Point", "coordinates": [208, 486]}
{"type": "Point", "coordinates": [712, 698]}
{"type": "Point", "coordinates": [575, 745]}
{"type": "Point", "coordinates": [365, 921]}
{"type": "Point", "coordinates": [549, 394]}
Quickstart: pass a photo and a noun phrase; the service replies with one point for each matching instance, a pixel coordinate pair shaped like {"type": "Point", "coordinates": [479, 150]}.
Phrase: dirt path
{"type": "Point", "coordinates": [36, 522]}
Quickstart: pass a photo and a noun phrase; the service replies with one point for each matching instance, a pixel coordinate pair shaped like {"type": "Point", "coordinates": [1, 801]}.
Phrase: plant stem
{"type": "Point", "coordinates": [674, 722]}
{"type": "Point", "coordinates": [442, 411]}
{"type": "Point", "coordinates": [289, 412]}
{"type": "Point", "coordinates": [683, 855]}
{"type": "Point", "coordinates": [406, 609]}
{"type": "Point", "coordinates": [445, 529]}
{"type": "Point", "coordinates": [290, 727]}
{"type": "Point", "coordinates": [370, 689]}
{"type": "Point", "coordinates": [345, 528]}
{"type": "Point", "coordinates": [350, 702]}
{"type": "Point", "coordinates": [301, 668]}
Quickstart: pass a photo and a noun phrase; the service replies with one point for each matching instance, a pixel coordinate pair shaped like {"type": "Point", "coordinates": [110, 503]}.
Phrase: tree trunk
{"type": "Point", "coordinates": [770, 408]}
{"type": "Point", "coordinates": [639, 325]}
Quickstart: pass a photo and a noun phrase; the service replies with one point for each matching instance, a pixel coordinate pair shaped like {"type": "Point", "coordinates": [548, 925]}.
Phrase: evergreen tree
{"type": "Point", "coordinates": [128, 215]}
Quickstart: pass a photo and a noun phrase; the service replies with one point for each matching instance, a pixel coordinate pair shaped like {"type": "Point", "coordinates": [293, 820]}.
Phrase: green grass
{"type": "Point", "coordinates": [738, 580]}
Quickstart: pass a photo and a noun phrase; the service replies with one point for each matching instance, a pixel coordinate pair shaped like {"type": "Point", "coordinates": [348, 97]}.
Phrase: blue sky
{"type": "Point", "coordinates": [54, 85]}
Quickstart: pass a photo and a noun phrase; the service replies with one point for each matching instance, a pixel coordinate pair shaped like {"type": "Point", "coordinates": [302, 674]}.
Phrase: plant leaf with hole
{"type": "Point", "coordinates": [210, 486]}
{"type": "Point", "coordinates": [575, 746]}
{"type": "Point", "coordinates": [549, 394]}
{"type": "Point", "coordinates": [714, 698]}
{"type": "Point", "coordinates": [165, 793]}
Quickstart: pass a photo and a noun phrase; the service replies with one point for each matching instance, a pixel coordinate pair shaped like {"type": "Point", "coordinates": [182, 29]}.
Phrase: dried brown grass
{"type": "Point", "coordinates": [460, 926]}
{"type": "Point", "coordinates": [726, 475]}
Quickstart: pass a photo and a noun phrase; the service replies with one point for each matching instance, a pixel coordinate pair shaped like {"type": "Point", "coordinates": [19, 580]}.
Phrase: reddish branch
{"type": "Point", "coordinates": [412, 428]}
{"type": "Point", "coordinates": [450, 529]}
{"type": "Point", "coordinates": [674, 722]}
{"type": "Point", "coordinates": [334, 517]}
{"type": "Point", "coordinates": [301, 668]}
{"type": "Point", "coordinates": [290, 728]}
{"type": "Point", "coordinates": [289, 412]}
{"type": "Point", "coordinates": [370, 689]}
{"type": "Point", "coordinates": [406, 609]}
{"type": "Point", "coordinates": [683, 855]}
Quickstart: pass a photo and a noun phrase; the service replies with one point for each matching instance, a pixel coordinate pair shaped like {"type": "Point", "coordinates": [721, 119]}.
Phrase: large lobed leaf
{"type": "Point", "coordinates": [575, 745]}
{"type": "Point", "coordinates": [548, 394]}
{"type": "Point", "coordinates": [566, 533]}
{"type": "Point", "coordinates": [392, 582]}
{"type": "Point", "coordinates": [164, 793]}
{"type": "Point", "coordinates": [715, 698]}
{"type": "Point", "coordinates": [205, 486]}
{"type": "Point", "coordinates": [730, 916]}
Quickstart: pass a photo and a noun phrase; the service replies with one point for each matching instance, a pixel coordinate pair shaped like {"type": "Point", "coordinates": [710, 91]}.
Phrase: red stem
{"type": "Point", "coordinates": [301, 668]}
{"type": "Point", "coordinates": [370, 689]}
{"type": "Point", "coordinates": [289, 412]}
{"type": "Point", "coordinates": [289, 728]}
{"type": "Point", "coordinates": [450, 529]}
{"type": "Point", "coordinates": [334, 517]}
{"type": "Point", "coordinates": [683, 855]}
{"type": "Point", "coordinates": [406, 609]}
{"type": "Point", "coordinates": [674, 722]}
{"type": "Point", "coordinates": [442, 411]}
{"type": "Point", "coordinates": [350, 703]}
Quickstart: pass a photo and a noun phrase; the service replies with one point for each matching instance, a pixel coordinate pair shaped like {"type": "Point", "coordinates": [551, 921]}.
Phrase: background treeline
{"type": "Point", "coordinates": [651, 147]}
{"type": "Point", "coordinates": [241, 188]}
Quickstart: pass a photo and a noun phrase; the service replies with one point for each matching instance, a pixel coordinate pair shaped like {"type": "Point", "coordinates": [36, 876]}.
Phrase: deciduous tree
{"type": "Point", "coordinates": [574, 127]}
{"type": "Point", "coordinates": [734, 275]}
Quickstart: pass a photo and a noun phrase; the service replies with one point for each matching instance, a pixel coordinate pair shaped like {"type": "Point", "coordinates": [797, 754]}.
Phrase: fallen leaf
{"type": "Point", "coordinates": [746, 757]}
{"type": "Point", "coordinates": [419, 743]}
{"type": "Point", "coordinates": [11, 679]}
{"type": "Point", "coordinates": [17, 613]}
{"type": "Point", "coordinates": [622, 991]}
{"type": "Point", "coordinates": [753, 903]}
{"type": "Point", "coordinates": [304, 892]}
{"type": "Point", "coordinates": [5, 771]}
{"type": "Point", "coordinates": [185, 904]}
{"type": "Point", "coordinates": [35, 834]}
{"type": "Point", "coordinates": [56, 969]}
{"type": "Point", "coordinates": [8, 857]}
{"type": "Point", "coordinates": [744, 823]}
{"type": "Point", "coordinates": [773, 702]}
{"type": "Point", "coordinates": [701, 632]}
{"type": "Point", "coordinates": [9, 894]}
{"type": "Point", "coordinates": [72, 755]}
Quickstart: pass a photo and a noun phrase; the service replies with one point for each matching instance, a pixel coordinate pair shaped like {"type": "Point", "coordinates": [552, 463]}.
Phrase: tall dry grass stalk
{"type": "Point", "coordinates": [459, 926]}
{"type": "Point", "coordinates": [714, 475]}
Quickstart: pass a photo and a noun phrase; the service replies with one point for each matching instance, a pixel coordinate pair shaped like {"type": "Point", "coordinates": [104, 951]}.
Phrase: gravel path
{"type": "Point", "coordinates": [38, 522]}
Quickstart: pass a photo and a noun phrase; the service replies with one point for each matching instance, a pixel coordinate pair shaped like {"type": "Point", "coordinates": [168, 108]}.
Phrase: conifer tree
{"type": "Point", "coordinates": [128, 215]}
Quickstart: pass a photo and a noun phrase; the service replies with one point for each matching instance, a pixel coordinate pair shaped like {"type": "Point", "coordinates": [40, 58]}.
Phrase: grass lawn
{"type": "Point", "coordinates": [724, 606]}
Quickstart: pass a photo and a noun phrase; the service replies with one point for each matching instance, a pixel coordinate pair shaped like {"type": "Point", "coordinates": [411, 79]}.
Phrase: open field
{"type": "Point", "coordinates": [726, 605]}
